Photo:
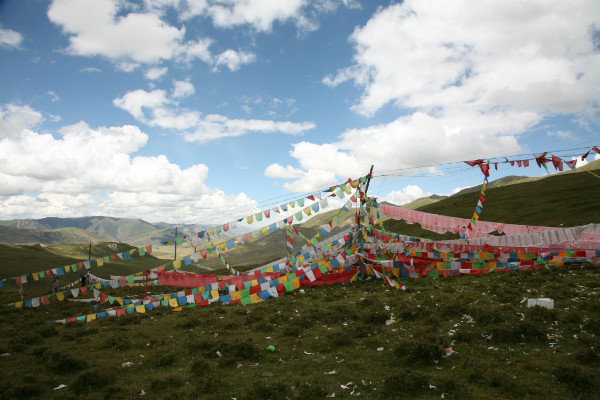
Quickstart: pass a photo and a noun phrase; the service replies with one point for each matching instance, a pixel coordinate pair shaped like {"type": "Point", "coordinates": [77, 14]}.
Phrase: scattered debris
{"type": "Point", "coordinates": [126, 364]}
{"type": "Point", "coordinates": [62, 385]}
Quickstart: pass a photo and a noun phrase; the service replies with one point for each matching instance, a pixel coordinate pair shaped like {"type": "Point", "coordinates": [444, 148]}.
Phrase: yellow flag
{"type": "Point", "coordinates": [264, 230]}
{"type": "Point", "coordinates": [60, 296]}
{"type": "Point", "coordinates": [67, 268]}
{"type": "Point", "coordinates": [307, 211]}
{"type": "Point", "coordinates": [214, 293]}
{"type": "Point", "coordinates": [100, 261]}
{"type": "Point", "coordinates": [36, 277]}
{"type": "Point", "coordinates": [18, 304]}
{"type": "Point", "coordinates": [296, 283]}
{"type": "Point", "coordinates": [177, 309]}
{"type": "Point", "coordinates": [98, 285]}
{"type": "Point", "coordinates": [236, 295]}
{"type": "Point", "coordinates": [140, 309]}
{"type": "Point", "coordinates": [255, 299]}
{"type": "Point", "coordinates": [254, 282]}
{"type": "Point", "coordinates": [177, 264]}
{"type": "Point", "coordinates": [90, 317]}
{"type": "Point", "coordinates": [119, 300]}
{"type": "Point", "coordinates": [173, 302]}
{"type": "Point", "coordinates": [249, 219]}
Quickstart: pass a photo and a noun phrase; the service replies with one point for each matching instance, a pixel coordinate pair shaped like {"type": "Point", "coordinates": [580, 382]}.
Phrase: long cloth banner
{"type": "Point", "coordinates": [442, 224]}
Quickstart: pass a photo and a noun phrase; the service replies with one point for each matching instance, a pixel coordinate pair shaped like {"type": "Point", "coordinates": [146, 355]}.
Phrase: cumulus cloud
{"type": "Point", "coordinates": [531, 57]}
{"type": "Point", "coordinates": [182, 89]}
{"type": "Point", "coordinates": [153, 74]}
{"type": "Point", "coordinates": [234, 60]}
{"type": "Point", "coordinates": [467, 79]}
{"type": "Point", "coordinates": [97, 28]}
{"type": "Point", "coordinates": [278, 171]}
{"type": "Point", "coordinates": [83, 171]}
{"type": "Point", "coordinates": [156, 108]}
{"type": "Point", "coordinates": [405, 195]}
{"type": "Point", "coordinates": [10, 39]}
{"type": "Point", "coordinates": [135, 101]}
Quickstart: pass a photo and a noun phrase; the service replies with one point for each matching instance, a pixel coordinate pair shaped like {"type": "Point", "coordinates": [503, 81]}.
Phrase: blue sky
{"type": "Point", "coordinates": [204, 111]}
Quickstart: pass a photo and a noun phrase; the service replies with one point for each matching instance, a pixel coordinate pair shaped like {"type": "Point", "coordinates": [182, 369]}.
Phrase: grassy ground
{"type": "Point", "coordinates": [328, 340]}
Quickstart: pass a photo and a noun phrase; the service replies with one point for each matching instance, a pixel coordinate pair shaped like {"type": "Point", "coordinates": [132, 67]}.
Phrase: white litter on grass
{"type": "Point", "coordinates": [306, 352]}
{"type": "Point", "coordinates": [380, 349]}
{"type": "Point", "coordinates": [62, 385]}
{"type": "Point", "coordinates": [330, 372]}
{"type": "Point", "coordinates": [126, 364]}
{"type": "Point", "coordinates": [346, 386]}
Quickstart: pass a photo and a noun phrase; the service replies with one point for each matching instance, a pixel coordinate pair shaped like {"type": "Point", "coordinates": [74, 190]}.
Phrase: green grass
{"type": "Point", "coordinates": [324, 338]}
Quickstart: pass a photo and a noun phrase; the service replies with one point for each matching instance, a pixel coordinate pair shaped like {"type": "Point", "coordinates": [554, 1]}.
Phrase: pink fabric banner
{"type": "Point", "coordinates": [442, 224]}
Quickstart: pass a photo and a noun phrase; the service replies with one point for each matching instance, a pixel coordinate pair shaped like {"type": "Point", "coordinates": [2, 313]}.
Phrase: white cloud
{"type": "Point", "coordinates": [214, 126]}
{"type": "Point", "coordinates": [15, 120]}
{"type": "Point", "coordinates": [86, 171]}
{"type": "Point", "coordinates": [155, 73]}
{"type": "Point", "coordinates": [279, 171]}
{"type": "Point", "coordinates": [260, 14]}
{"type": "Point", "coordinates": [234, 60]}
{"type": "Point", "coordinates": [182, 89]}
{"type": "Point", "coordinates": [561, 134]}
{"type": "Point", "coordinates": [105, 28]}
{"type": "Point", "coordinates": [405, 195]}
{"type": "Point", "coordinates": [96, 28]}
{"type": "Point", "coordinates": [155, 108]}
{"type": "Point", "coordinates": [90, 69]}
{"type": "Point", "coordinates": [10, 39]}
{"type": "Point", "coordinates": [53, 96]}
{"type": "Point", "coordinates": [534, 57]}
{"type": "Point", "coordinates": [135, 101]}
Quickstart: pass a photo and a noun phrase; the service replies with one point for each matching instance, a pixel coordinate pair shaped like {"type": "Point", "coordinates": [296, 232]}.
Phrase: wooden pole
{"type": "Point", "coordinates": [175, 258]}
{"type": "Point", "coordinates": [90, 252]}
{"type": "Point", "coordinates": [368, 182]}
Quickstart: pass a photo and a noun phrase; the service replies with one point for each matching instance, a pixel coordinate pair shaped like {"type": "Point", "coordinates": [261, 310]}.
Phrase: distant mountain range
{"type": "Point", "coordinates": [94, 229]}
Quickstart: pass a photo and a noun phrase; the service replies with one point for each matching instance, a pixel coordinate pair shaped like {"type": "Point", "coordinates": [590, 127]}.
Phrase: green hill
{"type": "Point", "coordinates": [423, 201]}
{"type": "Point", "coordinates": [23, 259]}
{"type": "Point", "coordinates": [567, 199]}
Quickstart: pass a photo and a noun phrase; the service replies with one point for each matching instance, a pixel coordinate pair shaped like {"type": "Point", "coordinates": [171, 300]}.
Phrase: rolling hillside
{"type": "Point", "coordinates": [567, 199]}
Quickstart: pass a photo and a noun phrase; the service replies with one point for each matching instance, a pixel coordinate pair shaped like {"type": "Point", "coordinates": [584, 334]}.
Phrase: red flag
{"type": "Point", "coordinates": [557, 162]}
{"type": "Point", "coordinates": [583, 157]}
{"type": "Point", "coordinates": [485, 168]}
{"type": "Point", "coordinates": [597, 150]}
{"type": "Point", "coordinates": [474, 163]}
{"type": "Point", "coordinates": [571, 164]}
